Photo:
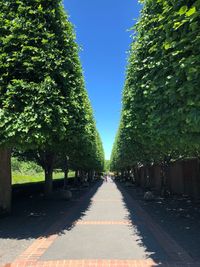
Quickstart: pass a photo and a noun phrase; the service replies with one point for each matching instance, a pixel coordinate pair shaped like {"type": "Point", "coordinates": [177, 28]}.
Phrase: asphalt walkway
{"type": "Point", "coordinates": [105, 228]}
{"type": "Point", "coordinates": [105, 231]}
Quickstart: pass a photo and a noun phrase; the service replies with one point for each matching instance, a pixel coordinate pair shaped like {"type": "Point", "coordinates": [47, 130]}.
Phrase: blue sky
{"type": "Point", "coordinates": [102, 31]}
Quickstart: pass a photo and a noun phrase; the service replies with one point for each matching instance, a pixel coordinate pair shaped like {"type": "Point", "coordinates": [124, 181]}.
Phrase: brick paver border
{"type": "Point", "coordinates": [42, 243]}
{"type": "Point", "coordinates": [30, 257]}
{"type": "Point", "coordinates": [101, 263]}
{"type": "Point", "coordinates": [173, 249]}
{"type": "Point", "coordinates": [37, 249]}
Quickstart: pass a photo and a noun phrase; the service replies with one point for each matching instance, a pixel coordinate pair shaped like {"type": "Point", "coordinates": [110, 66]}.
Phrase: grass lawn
{"type": "Point", "coordinates": [20, 178]}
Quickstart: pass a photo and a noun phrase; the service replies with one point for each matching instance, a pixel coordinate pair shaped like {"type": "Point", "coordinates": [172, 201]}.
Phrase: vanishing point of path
{"type": "Point", "coordinates": [105, 228]}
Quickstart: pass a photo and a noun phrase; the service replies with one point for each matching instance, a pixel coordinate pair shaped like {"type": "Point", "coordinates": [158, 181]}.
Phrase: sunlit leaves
{"type": "Point", "coordinates": [161, 97]}
{"type": "Point", "coordinates": [43, 100]}
{"type": "Point", "coordinates": [183, 10]}
{"type": "Point", "coordinates": [191, 11]}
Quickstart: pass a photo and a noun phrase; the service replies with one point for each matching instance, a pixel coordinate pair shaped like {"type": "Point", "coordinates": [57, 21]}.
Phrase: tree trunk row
{"type": "Point", "coordinates": [5, 180]}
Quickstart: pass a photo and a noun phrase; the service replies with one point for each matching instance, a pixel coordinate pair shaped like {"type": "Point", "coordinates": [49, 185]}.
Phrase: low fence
{"type": "Point", "coordinates": [183, 177]}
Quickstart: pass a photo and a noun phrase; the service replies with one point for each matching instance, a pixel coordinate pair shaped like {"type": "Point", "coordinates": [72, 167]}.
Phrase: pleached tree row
{"type": "Point", "coordinates": [160, 119]}
{"type": "Point", "coordinates": [44, 106]}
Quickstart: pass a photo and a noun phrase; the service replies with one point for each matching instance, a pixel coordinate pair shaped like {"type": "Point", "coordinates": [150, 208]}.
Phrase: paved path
{"type": "Point", "coordinates": [106, 228]}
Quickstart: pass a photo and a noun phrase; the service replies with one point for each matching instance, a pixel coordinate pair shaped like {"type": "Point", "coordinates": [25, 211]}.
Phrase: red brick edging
{"type": "Point", "coordinates": [173, 249]}
{"type": "Point", "coordinates": [180, 258]}
{"type": "Point", "coordinates": [100, 263]}
{"type": "Point", "coordinates": [103, 223]}
{"type": "Point", "coordinates": [41, 244]}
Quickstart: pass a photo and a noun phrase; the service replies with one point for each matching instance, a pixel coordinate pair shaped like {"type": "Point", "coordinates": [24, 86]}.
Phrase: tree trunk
{"type": "Point", "coordinates": [48, 168]}
{"type": "Point", "coordinates": [122, 174]}
{"type": "Point", "coordinates": [165, 176]}
{"type": "Point", "coordinates": [66, 178]}
{"type": "Point", "coordinates": [48, 182]}
{"type": "Point", "coordinates": [137, 175]}
{"type": "Point", "coordinates": [92, 175]}
{"type": "Point", "coordinates": [5, 180]}
{"type": "Point", "coordinates": [77, 177]}
{"type": "Point", "coordinates": [148, 177]}
{"type": "Point", "coordinates": [66, 171]}
{"type": "Point", "coordinates": [128, 176]}
{"type": "Point", "coordinates": [89, 176]}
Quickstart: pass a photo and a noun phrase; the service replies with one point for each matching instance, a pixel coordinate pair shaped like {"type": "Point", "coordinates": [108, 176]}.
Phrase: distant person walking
{"type": "Point", "coordinates": [106, 178]}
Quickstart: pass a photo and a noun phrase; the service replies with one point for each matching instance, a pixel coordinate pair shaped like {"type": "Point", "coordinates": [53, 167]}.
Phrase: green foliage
{"type": "Point", "coordinates": [25, 167]}
{"type": "Point", "coordinates": [29, 171]}
{"type": "Point", "coordinates": [34, 89]}
{"type": "Point", "coordinates": [20, 178]}
{"type": "Point", "coordinates": [89, 153]}
{"type": "Point", "coordinates": [161, 100]}
{"type": "Point", "coordinates": [107, 166]}
{"type": "Point", "coordinates": [44, 105]}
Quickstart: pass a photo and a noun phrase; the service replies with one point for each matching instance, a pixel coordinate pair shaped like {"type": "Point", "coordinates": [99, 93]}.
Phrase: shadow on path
{"type": "Point", "coordinates": [35, 216]}
{"type": "Point", "coordinates": [140, 224]}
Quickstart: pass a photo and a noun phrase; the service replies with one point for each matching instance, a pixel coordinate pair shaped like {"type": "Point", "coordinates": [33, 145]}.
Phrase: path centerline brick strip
{"type": "Point", "coordinates": [106, 200]}
{"type": "Point", "coordinates": [33, 255]}
{"type": "Point", "coordinates": [103, 223]}
{"type": "Point", "coordinates": [42, 243]}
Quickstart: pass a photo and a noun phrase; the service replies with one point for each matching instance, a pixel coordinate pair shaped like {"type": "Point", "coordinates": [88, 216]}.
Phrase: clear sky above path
{"type": "Point", "coordinates": [102, 32]}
